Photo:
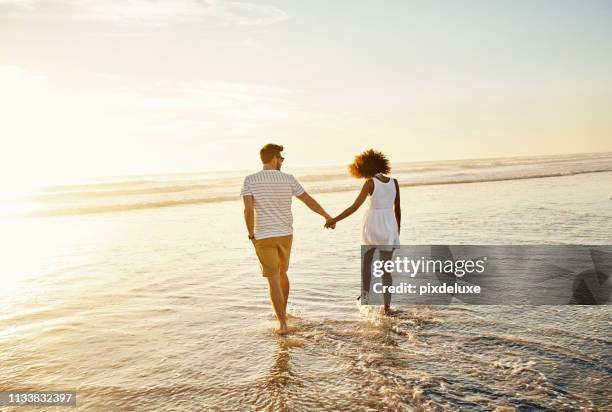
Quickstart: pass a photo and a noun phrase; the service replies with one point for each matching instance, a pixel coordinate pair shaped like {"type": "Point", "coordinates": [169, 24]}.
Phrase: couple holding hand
{"type": "Point", "coordinates": [267, 198]}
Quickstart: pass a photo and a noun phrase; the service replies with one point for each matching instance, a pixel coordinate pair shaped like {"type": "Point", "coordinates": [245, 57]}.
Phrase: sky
{"type": "Point", "coordinates": [105, 87]}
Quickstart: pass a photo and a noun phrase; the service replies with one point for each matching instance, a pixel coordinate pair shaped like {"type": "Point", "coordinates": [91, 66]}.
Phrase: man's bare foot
{"type": "Point", "coordinates": [283, 330]}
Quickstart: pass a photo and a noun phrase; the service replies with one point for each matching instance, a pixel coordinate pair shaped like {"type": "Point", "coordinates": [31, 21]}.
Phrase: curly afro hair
{"type": "Point", "coordinates": [368, 164]}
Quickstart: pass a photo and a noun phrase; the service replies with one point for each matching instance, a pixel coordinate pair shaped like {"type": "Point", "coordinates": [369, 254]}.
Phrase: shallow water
{"type": "Point", "coordinates": [164, 309]}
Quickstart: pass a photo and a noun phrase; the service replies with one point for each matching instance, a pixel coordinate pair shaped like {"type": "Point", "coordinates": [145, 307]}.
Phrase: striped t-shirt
{"type": "Point", "coordinates": [272, 191]}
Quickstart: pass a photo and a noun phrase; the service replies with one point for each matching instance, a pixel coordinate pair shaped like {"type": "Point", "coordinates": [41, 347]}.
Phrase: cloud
{"type": "Point", "coordinates": [117, 106]}
{"type": "Point", "coordinates": [151, 12]}
{"type": "Point", "coordinates": [245, 43]}
{"type": "Point", "coordinates": [249, 43]}
{"type": "Point", "coordinates": [226, 108]}
{"type": "Point", "coordinates": [132, 122]}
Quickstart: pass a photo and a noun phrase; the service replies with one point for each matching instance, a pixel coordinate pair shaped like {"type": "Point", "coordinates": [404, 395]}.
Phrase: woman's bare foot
{"type": "Point", "coordinates": [388, 311]}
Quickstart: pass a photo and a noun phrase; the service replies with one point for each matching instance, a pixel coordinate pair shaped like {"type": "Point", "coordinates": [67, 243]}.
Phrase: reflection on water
{"type": "Point", "coordinates": [164, 309]}
{"type": "Point", "coordinates": [436, 357]}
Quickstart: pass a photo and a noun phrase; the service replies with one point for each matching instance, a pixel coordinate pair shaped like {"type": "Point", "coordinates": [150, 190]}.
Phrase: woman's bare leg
{"type": "Point", "coordinates": [387, 280]}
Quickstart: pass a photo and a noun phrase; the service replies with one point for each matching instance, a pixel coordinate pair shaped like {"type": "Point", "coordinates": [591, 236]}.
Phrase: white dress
{"type": "Point", "coordinates": [379, 226]}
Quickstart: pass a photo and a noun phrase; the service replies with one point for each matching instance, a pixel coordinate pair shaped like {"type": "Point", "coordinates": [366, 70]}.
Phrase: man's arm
{"type": "Point", "coordinates": [313, 205]}
{"type": "Point", "coordinates": [249, 214]}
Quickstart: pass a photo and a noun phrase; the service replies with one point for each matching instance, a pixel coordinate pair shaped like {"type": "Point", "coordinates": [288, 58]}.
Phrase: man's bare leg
{"type": "Point", "coordinates": [284, 283]}
{"type": "Point", "coordinates": [278, 302]}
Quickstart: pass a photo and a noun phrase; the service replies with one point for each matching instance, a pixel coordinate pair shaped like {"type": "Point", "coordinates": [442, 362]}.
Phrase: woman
{"type": "Point", "coordinates": [381, 222]}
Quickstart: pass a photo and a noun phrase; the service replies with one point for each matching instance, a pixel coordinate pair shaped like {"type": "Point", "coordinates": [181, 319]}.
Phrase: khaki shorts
{"type": "Point", "coordinates": [273, 254]}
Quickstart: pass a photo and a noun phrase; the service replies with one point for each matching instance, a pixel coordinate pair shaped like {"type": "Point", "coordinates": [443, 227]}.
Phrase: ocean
{"type": "Point", "coordinates": [143, 293]}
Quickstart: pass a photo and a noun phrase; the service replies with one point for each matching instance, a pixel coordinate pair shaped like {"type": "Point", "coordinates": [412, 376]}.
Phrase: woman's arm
{"type": "Point", "coordinates": [365, 191]}
{"type": "Point", "coordinates": [397, 207]}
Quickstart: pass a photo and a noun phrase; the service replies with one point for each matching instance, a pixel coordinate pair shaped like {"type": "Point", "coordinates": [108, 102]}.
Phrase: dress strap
{"type": "Point", "coordinates": [377, 176]}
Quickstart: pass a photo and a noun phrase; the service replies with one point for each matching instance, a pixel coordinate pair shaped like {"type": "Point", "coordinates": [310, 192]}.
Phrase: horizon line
{"type": "Point", "coordinates": [337, 165]}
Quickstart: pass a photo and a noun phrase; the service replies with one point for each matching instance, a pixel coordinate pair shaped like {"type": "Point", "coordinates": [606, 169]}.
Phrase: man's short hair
{"type": "Point", "coordinates": [269, 151]}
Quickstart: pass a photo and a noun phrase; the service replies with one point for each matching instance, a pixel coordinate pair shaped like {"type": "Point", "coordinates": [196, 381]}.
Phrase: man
{"type": "Point", "coordinates": [267, 198]}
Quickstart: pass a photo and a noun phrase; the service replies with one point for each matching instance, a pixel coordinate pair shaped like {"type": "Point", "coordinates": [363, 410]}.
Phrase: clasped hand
{"type": "Point", "coordinates": [330, 223]}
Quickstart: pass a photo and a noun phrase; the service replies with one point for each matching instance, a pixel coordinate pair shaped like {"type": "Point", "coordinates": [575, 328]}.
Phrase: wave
{"type": "Point", "coordinates": [321, 177]}
{"type": "Point", "coordinates": [81, 210]}
{"type": "Point", "coordinates": [111, 193]}
{"type": "Point", "coordinates": [457, 179]}
{"type": "Point", "coordinates": [105, 185]}
{"type": "Point", "coordinates": [503, 178]}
